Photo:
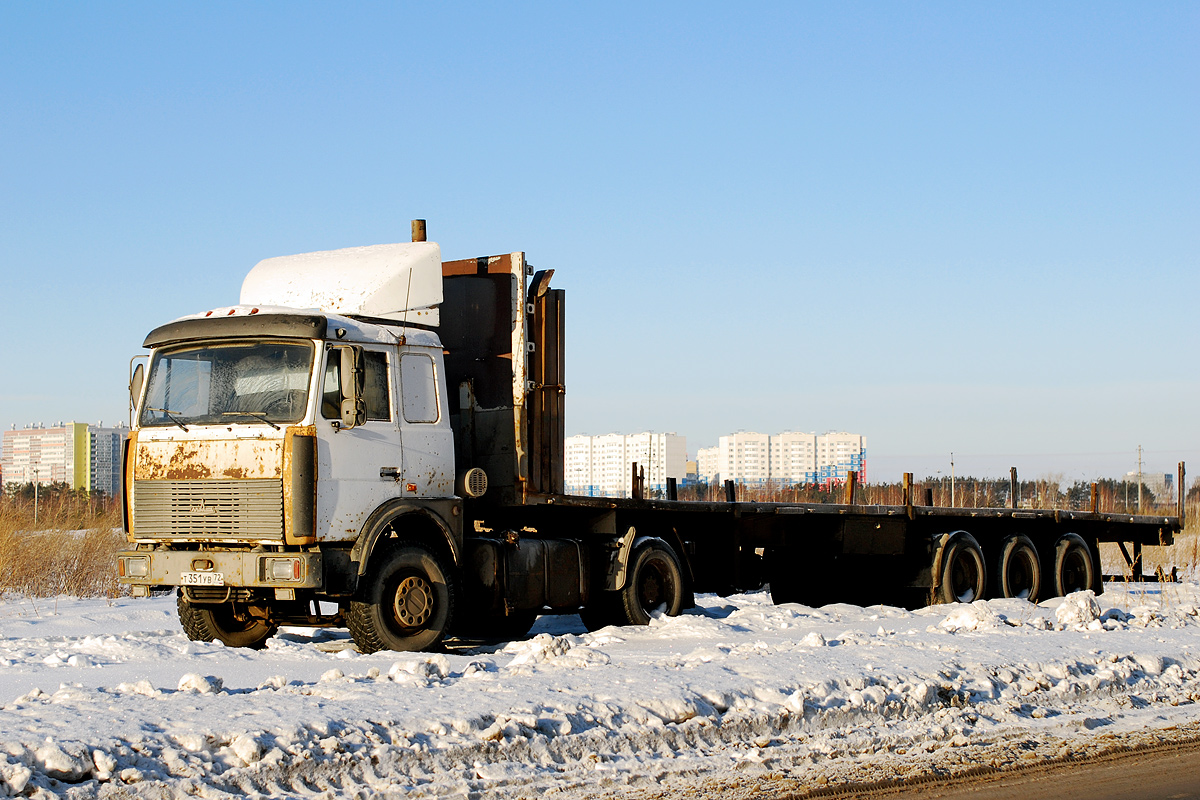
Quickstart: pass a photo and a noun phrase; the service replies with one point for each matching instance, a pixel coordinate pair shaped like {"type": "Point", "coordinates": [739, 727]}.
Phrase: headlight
{"type": "Point", "coordinates": [134, 566]}
{"type": "Point", "coordinates": [282, 569]}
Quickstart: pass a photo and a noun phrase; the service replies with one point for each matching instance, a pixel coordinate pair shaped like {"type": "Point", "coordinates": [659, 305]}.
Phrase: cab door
{"type": "Point", "coordinates": [428, 439]}
{"type": "Point", "coordinates": [360, 467]}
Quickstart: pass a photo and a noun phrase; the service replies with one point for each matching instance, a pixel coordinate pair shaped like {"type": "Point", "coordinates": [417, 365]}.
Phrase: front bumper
{"type": "Point", "coordinates": [263, 570]}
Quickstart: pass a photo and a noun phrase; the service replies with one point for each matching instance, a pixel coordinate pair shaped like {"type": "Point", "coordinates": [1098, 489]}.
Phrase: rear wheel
{"type": "Point", "coordinates": [1074, 570]}
{"type": "Point", "coordinates": [406, 601]}
{"type": "Point", "coordinates": [653, 585]}
{"type": "Point", "coordinates": [963, 578]}
{"type": "Point", "coordinates": [1018, 571]}
{"type": "Point", "coordinates": [232, 625]}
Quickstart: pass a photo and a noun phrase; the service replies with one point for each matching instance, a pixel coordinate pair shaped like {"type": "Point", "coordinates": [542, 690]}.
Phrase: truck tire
{"type": "Point", "coordinates": [963, 576]}
{"type": "Point", "coordinates": [1017, 571]}
{"type": "Point", "coordinates": [405, 602]}
{"type": "Point", "coordinates": [204, 623]}
{"type": "Point", "coordinates": [654, 583]}
{"type": "Point", "coordinates": [1074, 569]}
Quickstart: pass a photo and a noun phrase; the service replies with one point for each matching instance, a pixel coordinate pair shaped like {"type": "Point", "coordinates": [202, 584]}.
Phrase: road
{"type": "Point", "coordinates": [1160, 773]}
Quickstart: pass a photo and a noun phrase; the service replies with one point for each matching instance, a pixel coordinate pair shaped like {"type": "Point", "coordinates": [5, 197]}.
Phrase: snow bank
{"type": "Point", "coordinates": [111, 694]}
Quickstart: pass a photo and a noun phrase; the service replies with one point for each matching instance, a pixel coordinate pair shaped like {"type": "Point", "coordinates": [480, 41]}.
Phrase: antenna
{"type": "Point", "coordinates": [407, 295]}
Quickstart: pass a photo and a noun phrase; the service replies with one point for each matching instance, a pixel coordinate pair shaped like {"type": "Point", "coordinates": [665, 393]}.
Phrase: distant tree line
{"type": "Point", "coordinates": [1113, 495]}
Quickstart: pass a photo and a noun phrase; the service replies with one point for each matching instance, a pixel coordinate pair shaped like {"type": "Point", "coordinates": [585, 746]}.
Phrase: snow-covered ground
{"type": "Point", "coordinates": [735, 694]}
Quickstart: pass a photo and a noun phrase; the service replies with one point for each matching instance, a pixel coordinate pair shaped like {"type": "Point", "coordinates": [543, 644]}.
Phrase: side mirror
{"type": "Point", "coordinates": [352, 374]}
{"type": "Point", "coordinates": [135, 384]}
{"type": "Point", "coordinates": [136, 377]}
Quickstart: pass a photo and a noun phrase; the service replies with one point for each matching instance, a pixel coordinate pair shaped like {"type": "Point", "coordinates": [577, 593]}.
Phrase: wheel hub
{"type": "Point", "coordinates": [963, 578]}
{"type": "Point", "coordinates": [651, 592]}
{"type": "Point", "coordinates": [413, 605]}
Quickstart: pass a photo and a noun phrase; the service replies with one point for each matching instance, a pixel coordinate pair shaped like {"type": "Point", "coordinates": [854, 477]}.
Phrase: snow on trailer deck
{"type": "Point", "coordinates": [735, 694]}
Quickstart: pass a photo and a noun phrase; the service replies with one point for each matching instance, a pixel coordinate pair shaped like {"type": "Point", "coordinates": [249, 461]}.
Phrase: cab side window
{"type": "Point", "coordinates": [375, 390]}
{"type": "Point", "coordinates": [418, 387]}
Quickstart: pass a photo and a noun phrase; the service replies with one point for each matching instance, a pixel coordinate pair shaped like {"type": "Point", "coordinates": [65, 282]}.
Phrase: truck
{"type": "Point", "coordinates": [372, 438]}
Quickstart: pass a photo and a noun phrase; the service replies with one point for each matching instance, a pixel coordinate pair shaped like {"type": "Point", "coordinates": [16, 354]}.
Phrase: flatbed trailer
{"type": "Point", "coordinates": [818, 553]}
{"type": "Point", "coordinates": [379, 430]}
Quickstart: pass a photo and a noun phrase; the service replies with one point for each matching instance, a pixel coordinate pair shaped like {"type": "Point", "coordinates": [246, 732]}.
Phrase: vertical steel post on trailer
{"type": "Point", "coordinates": [1182, 496]}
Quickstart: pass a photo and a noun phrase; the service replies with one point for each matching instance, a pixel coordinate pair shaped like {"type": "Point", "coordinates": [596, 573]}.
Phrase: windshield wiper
{"type": "Point", "coordinates": [256, 414]}
{"type": "Point", "coordinates": [170, 415]}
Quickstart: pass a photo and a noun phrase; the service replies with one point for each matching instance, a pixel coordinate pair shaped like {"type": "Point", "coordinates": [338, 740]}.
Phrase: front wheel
{"type": "Point", "coordinates": [224, 622]}
{"type": "Point", "coordinates": [406, 601]}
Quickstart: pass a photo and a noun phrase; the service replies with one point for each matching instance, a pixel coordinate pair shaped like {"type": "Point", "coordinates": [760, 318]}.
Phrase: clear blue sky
{"type": "Point", "coordinates": [948, 226]}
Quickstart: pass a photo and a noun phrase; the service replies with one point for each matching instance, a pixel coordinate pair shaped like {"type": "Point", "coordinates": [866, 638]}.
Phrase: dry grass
{"type": "Point", "coordinates": [71, 549]}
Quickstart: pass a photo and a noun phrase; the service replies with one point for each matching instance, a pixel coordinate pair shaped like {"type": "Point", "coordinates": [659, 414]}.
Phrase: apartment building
{"type": "Point", "coordinates": [784, 459]}
{"type": "Point", "coordinates": [1161, 484]}
{"type": "Point", "coordinates": [602, 466]}
{"type": "Point", "coordinates": [744, 455]}
{"type": "Point", "coordinates": [81, 455]}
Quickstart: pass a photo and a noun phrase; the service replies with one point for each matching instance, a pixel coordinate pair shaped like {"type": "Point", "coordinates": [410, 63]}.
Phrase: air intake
{"type": "Point", "coordinates": [473, 483]}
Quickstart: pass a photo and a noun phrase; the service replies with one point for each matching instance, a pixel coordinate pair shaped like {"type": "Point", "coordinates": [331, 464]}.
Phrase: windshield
{"type": "Point", "coordinates": [228, 384]}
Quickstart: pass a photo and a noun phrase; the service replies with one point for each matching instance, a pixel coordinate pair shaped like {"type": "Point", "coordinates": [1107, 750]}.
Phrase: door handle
{"type": "Point", "coordinates": [390, 472]}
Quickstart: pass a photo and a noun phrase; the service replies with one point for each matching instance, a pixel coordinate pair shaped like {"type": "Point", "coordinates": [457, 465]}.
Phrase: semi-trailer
{"type": "Point", "coordinates": [373, 438]}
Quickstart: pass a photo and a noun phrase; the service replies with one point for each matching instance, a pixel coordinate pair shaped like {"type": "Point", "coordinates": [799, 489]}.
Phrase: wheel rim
{"type": "Point", "coordinates": [413, 603]}
{"type": "Point", "coordinates": [1074, 571]}
{"type": "Point", "coordinates": [964, 578]}
{"type": "Point", "coordinates": [1020, 575]}
{"type": "Point", "coordinates": [655, 587]}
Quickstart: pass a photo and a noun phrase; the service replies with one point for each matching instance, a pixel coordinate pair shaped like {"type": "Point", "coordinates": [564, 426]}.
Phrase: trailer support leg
{"type": "Point", "coordinates": [1134, 562]}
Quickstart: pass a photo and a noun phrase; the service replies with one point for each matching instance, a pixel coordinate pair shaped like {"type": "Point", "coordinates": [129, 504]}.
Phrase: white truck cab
{"type": "Point", "coordinates": [269, 429]}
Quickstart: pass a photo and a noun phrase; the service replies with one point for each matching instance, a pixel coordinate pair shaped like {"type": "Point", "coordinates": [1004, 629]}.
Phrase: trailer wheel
{"type": "Point", "coordinates": [406, 601]}
{"type": "Point", "coordinates": [1074, 569]}
{"type": "Point", "coordinates": [1018, 571]}
{"type": "Point", "coordinates": [224, 623]}
{"type": "Point", "coordinates": [654, 584]}
{"type": "Point", "coordinates": [963, 577]}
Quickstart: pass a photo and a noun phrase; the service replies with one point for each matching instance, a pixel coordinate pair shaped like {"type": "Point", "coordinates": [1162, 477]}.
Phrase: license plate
{"type": "Point", "coordinates": [202, 578]}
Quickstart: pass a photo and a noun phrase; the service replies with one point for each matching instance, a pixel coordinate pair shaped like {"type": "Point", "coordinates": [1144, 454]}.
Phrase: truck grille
{"type": "Point", "coordinates": [249, 509]}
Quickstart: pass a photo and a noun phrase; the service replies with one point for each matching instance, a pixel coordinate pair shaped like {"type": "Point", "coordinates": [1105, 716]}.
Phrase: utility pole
{"type": "Point", "coordinates": [35, 495]}
{"type": "Point", "coordinates": [952, 503]}
{"type": "Point", "coordinates": [1139, 479]}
